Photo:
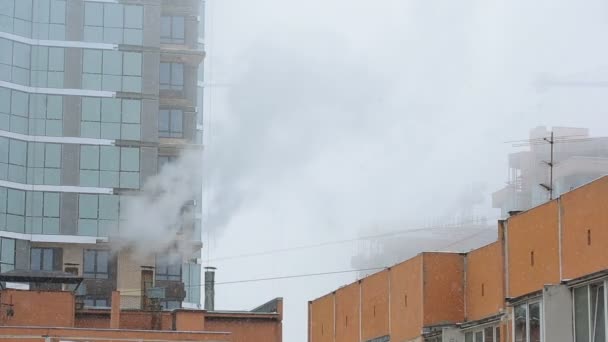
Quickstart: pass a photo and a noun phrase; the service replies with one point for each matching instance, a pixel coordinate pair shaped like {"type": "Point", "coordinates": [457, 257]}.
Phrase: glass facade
{"type": "Point", "coordinates": [76, 131]}
{"type": "Point", "coordinates": [96, 264]}
{"type": "Point", "coordinates": [111, 70]}
{"type": "Point", "coordinates": [590, 313]}
{"type": "Point", "coordinates": [36, 66]}
{"type": "Point", "coordinates": [24, 159]}
{"type": "Point", "coordinates": [28, 162]}
{"type": "Point", "coordinates": [111, 118]}
{"type": "Point", "coordinates": [39, 19]}
{"type": "Point", "coordinates": [31, 114]}
{"type": "Point", "coordinates": [167, 269]}
{"type": "Point", "coordinates": [171, 123]}
{"type": "Point", "coordinates": [528, 322]}
{"type": "Point", "coordinates": [109, 166]}
{"type": "Point", "coordinates": [45, 259]}
{"type": "Point", "coordinates": [113, 23]}
{"type": "Point", "coordinates": [7, 254]}
{"type": "Point", "coordinates": [98, 214]}
{"type": "Point", "coordinates": [31, 212]}
{"type": "Point", "coordinates": [487, 334]}
{"type": "Point", "coordinates": [172, 29]}
{"type": "Point", "coordinates": [191, 277]}
{"type": "Point", "coordinates": [171, 76]}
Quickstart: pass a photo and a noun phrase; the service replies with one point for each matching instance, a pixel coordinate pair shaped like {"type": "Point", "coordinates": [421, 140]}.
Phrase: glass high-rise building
{"type": "Point", "coordinates": [94, 97]}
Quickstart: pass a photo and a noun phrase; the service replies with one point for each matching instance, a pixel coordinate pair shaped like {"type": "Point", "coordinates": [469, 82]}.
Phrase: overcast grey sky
{"type": "Point", "coordinates": [340, 115]}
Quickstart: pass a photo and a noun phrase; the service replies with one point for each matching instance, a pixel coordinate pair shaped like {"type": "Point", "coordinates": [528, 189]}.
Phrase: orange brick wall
{"type": "Point", "coordinates": [347, 313]}
{"type": "Point", "coordinates": [322, 327]}
{"type": "Point", "coordinates": [94, 321]}
{"type": "Point", "coordinates": [374, 305]}
{"type": "Point", "coordinates": [406, 299]}
{"type": "Point", "coordinates": [247, 330]}
{"type": "Point", "coordinates": [57, 334]}
{"type": "Point", "coordinates": [443, 292]}
{"type": "Point", "coordinates": [484, 281]}
{"type": "Point", "coordinates": [136, 320]}
{"type": "Point", "coordinates": [189, 320]}
{"type": "Point", "coordinates": [534, 231]}
{"type": "Point", "coordinates": [37, 308]}
{"type": "Point", "coordinates": [585, 216]}
{"type": "Point", "coordinates": [526, 257]}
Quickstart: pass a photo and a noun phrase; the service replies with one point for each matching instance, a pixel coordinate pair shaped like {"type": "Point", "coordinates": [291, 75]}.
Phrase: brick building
{"type": "Point", "coordinates": [543, 280]}
{"type": "Point", "coordinates": [53, 316]}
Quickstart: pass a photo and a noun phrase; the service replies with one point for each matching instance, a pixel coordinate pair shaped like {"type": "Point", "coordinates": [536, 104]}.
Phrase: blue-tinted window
{"type": "Point", "coordinates": [96, 264]}
{"type": "Point", "coordinates": [171, 76]}
{"type": "Point", "coordinates": [168, 269]}
{"type": "Point", "coordinates": [7, 254]}
{"type": "Point", "coordinates": [172, 29]}
{"type": "Point", "coordinates": [44, 259]}
{"type": "Point", "coordinates": [112, 70]}
{"type": "Point", "coordinates": [113, 23]}
{"type": "Point", "coordinates": [171, 123]}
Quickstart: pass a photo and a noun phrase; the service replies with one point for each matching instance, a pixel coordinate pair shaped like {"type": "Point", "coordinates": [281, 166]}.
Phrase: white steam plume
{"type": "Point", "coordinates": [160, 218]}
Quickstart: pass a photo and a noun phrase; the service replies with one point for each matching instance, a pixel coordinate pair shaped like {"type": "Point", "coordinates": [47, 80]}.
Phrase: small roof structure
{"type": "Point", "coordinates": [29, 276]}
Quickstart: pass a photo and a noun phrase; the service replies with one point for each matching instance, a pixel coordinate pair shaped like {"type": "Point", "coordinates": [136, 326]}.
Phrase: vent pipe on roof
{"type": "Point", "coordinates": [210, 288]}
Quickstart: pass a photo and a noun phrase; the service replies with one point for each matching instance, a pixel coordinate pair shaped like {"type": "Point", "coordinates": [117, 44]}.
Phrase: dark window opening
{"type": "Point", "coordinates": [532, 258]}
{"type": "Point", "coordinates": [45, 259]}
{"type": "Point", "coordinates": [168, 269]}
{"type": "Point", "coordinates": [170, 304]}
{"type": "Point", "coordinates": [96, 301]}
{"type": "Point", "coordinates": [96, 264]}
{"type": "Point", "coordinates": [588, 237]}
{"type": "Point", "coordinates": [71, 270]}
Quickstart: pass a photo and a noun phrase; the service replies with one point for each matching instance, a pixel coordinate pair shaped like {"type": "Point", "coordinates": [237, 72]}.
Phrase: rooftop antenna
{"type": "Point", "coordinates": [549, 187]}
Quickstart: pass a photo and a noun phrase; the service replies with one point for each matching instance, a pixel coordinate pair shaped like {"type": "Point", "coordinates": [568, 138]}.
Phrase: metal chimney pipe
{"type": "Point", "coordinates": [210, 288]}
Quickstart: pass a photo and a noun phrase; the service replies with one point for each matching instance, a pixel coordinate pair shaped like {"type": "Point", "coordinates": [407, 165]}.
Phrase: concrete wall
{"type": "Point", "coordinates": [347, 313]}
{"type": "Point", "coordinates": [557, 311]}
{"type": "Point", "coordinates": [374, 305]}
{"type": "Point", "coordinates": [533, 250]}
{"type": "Point", "coordinates": [322, 327]}
{"type": "Point", "coordinates": [584, 218]}
{"type": "Point", "coordinates": [484, 282]}
{"type": "Point", "coordinates": [129, 280]}
{"type": "Point", "coordinates": [406, 299]}
{"type": "Point", "coordinates": [22, 255]}
{"type": "Point", "coordinates": [452, 335]}
{"type": "Point", "coordinates": [443, 273]}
